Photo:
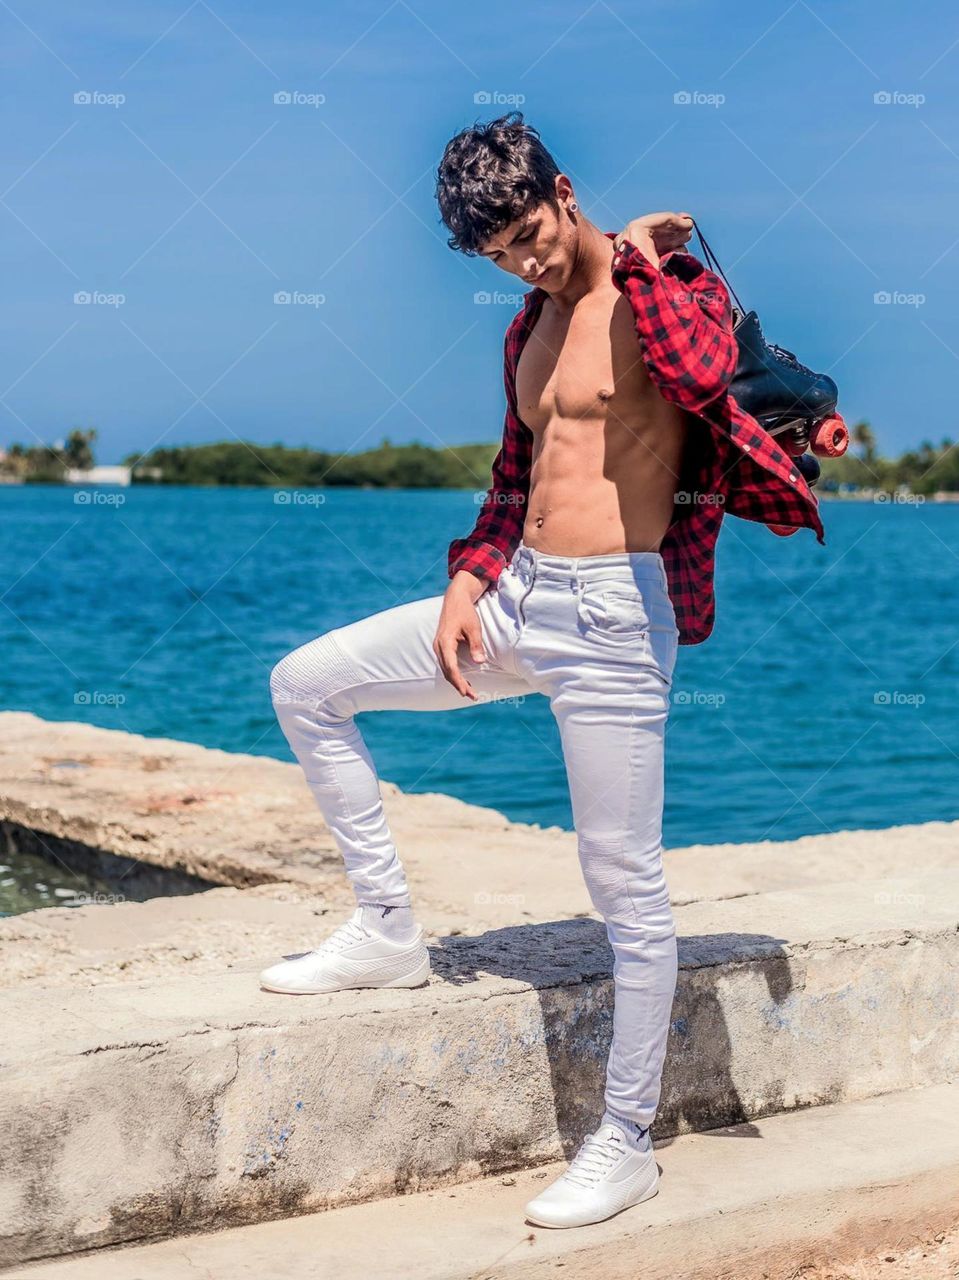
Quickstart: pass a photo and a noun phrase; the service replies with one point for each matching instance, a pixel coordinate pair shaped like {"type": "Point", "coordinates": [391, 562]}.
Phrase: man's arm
{"type": "Point", "coordinates": [487, 550]}
{"type": "Point", "coordinates": [683, 320]}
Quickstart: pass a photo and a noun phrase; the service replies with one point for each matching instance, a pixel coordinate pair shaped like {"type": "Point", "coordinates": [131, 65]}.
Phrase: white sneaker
{"type": "Point", "coordinates": [353, 956]}
{"type": "Point", "coordinates": [606, 1175]}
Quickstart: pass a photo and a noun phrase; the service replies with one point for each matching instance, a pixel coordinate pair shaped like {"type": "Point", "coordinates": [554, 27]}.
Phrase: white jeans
{"type": "Point", "coordinates": [596, 635]}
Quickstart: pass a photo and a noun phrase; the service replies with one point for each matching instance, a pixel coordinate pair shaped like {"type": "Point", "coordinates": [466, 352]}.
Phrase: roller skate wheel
{"type": "Point", "coordinates": [830, 438]}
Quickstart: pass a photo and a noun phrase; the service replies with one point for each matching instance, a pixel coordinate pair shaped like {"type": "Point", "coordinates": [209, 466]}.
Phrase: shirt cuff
{"type": "Point", "coordinates": [481, 560]}
{"type": "Point", "coordinates": [627, 259]}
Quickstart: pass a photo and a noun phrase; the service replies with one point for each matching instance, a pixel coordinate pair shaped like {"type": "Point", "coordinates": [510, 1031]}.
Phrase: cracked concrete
{"type": "Point", "coordinates": [150, 1088]}
{"type": "Point", "coordinates": [242, 1106]}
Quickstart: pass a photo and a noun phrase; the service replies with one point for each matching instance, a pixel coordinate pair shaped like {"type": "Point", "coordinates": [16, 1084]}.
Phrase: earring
{"type": "Point", "coordinates": [573, 206]}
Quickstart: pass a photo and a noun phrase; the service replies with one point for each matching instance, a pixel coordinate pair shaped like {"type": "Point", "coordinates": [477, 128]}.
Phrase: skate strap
{"type": "Point", "coordinates": [713, 264]}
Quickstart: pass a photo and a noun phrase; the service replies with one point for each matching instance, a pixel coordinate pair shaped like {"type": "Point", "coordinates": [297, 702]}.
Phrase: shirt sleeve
{"type": "Point", "coordinates": [683, 320]}
{"type": "Point", "coordinates": [488, 548]}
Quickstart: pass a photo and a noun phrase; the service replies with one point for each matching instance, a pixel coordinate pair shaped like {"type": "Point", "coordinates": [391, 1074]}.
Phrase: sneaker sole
{"type": "Point", "coordinates": [647, 1194]}
{"type": "Point", "coordinates": [418, 978]}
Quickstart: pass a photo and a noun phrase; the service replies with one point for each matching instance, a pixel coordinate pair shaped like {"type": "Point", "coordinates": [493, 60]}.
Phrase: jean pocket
{"type": "Point", "coordinates": [619, 615]}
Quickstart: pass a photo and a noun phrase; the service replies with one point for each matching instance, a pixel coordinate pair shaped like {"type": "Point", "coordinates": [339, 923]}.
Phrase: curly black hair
{"type": "Point", "coordinates": [490, 175]}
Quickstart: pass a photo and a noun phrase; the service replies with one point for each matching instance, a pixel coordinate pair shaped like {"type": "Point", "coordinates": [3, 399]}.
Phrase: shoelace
{"type": "Point", "coordinates": [341, 938]}
{"type": "Point", "coordinates": [787, 357]}
{"type": "Point", "coordinates": [595, 1157]}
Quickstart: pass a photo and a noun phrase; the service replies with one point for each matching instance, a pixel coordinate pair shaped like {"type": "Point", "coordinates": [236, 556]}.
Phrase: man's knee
{"type": "Point", "coordinates": [627, 887]}
{"type": "Point", "coordinates": [312, 676]}
{"type": "Point", "coordinates": [602, 859]}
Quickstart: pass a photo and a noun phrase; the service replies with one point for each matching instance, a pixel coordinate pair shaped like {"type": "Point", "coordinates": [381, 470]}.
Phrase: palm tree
{"type": "Point", "coordinates": [861, 435]}
{"type": "Point", "coordinates": [77, 453]}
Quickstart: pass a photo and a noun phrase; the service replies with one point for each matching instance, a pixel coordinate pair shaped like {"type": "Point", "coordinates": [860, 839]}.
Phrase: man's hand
{"type": "Point", "coordinates": [460, 621]}
{"type": "Point", "coordinates": [657, 234]}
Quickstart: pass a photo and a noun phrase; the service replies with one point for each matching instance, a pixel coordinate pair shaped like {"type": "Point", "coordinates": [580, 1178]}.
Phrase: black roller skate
{"type": "Point", "coordinates": [786, 398]}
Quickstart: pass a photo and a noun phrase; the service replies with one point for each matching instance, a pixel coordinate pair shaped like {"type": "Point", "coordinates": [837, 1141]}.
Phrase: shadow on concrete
{"type": "Point", "coordinates": [569, 963]}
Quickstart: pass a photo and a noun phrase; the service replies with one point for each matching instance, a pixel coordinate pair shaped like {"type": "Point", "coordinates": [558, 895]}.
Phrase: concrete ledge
{"type": "Point", "coordinates": [758, 1201]}
{"type": "Point", "coordinates": [250, 823]}
{"type": "Point", "coordinates": [141, 1110]}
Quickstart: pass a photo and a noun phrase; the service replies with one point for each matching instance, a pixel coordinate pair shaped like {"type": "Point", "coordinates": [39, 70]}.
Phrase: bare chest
{"type": "Point", "coordinates": [585, 364]}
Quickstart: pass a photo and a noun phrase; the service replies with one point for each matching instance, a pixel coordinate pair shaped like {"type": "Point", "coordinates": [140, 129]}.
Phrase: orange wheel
{"type": "Point", "coordinates": [830, 438]}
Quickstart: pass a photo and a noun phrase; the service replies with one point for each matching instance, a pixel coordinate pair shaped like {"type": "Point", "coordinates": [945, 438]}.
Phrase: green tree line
{"type": "Point", "coordinates": [389, 466]}
{"type": "Point", "coordinates": [926, 469]}
{"type": "Point", "coordinates": [49, 463]}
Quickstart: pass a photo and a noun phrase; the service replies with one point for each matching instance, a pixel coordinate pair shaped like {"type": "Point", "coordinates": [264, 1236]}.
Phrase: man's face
{"type": "Point", "coordinates": [539, 247]}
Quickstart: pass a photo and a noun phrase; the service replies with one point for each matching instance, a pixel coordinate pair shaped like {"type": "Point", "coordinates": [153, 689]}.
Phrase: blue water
{"type": "Point", "coordinates": [164, 615]}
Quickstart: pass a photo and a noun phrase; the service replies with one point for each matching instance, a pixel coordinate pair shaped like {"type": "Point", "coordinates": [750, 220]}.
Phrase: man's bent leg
{"type": "Point", "coordinates": [382, 662]}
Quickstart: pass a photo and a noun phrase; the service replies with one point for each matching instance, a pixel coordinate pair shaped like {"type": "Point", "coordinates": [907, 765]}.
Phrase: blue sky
{"type": "Point", "coordinates": [197, 198]}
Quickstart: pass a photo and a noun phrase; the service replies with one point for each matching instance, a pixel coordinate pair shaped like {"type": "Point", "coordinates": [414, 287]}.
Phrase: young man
{"type": "Point", "coordinates": [591, 561]}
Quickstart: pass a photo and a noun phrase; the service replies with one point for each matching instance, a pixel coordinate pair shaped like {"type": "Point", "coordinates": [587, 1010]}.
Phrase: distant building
{"type": "Point", "coordinates": [99, 475]}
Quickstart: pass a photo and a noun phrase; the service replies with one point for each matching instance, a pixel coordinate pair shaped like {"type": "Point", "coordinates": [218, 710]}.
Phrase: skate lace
{"type": "Point", "coordinates": [341, 938]}
{"type": "Point", "coordinates": [788, 357]}
{"type": "Point", "coordinates": [595, 1157]}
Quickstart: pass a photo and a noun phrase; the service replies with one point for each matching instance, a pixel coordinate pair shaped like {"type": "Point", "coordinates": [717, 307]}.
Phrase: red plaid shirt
{"type": "Point", "coordinates": [683, 319]}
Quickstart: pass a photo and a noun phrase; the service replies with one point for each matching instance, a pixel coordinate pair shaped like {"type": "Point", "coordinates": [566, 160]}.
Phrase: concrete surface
{"type": "Point", "coordinates": [251, 823]}
{"type": "Point", "coordinates": [141, 1109]}
{"type": "Point", "coordinates": [756, 1201]}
